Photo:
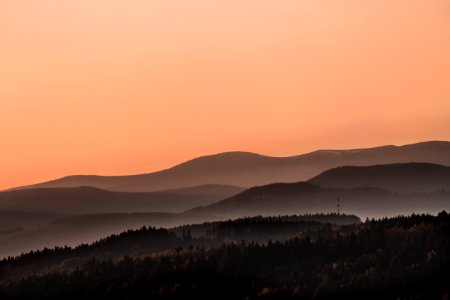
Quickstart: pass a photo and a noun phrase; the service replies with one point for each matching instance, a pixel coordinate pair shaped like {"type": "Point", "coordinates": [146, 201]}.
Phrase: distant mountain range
{"type": "Point", "coordinates": [248, 169]}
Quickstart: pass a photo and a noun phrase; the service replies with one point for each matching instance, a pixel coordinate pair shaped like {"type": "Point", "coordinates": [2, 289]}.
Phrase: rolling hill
{"type": "Point", "coordinates": [303, 197]}
{"type": "Point", "coordinates": [89, 200]}
{"type": "Point", "coordinates": [402, 178]}
{"type": "Point", "coordinates": [249, 169]}
{"type": "Point", "coordinates": [13, 220]}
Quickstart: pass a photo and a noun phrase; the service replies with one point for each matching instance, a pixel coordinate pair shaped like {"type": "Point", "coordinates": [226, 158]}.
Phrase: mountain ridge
{"type": "Point", "coordinates": [248, 169]}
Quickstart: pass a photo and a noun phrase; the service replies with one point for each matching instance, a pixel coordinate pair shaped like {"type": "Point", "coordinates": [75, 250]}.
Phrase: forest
{"type": "Point", "coordinates": [405, 257]}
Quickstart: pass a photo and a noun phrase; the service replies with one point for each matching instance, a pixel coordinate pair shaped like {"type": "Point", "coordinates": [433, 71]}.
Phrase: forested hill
{"type": "Point", "coordinates": [149, 239]}
{"type": "Point", "coordinates": [396, 258]}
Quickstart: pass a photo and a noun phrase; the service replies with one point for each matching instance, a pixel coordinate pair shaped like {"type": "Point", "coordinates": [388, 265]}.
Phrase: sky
{"type": "Point", "coordinates": [122, 87]}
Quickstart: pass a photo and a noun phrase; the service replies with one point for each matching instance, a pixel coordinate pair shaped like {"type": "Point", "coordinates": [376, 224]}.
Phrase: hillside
{"type": "Point", "coordinates": [13, 220]}
{"type": "Point", "coordinates": [249, 169]}
{"type": "Point", "coordinates": [80, 229]}
{"type": "Point", "coordinates": [88, 200]}
{"type": "Point", "coordinates": [302, 197]}
{"type": "Point", "coordinates": [403, 178]}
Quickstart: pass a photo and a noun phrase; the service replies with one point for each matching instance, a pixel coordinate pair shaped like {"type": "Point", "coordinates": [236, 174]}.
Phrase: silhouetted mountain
{"type": "Point", "coordinates": [302, 197]}
{"type": "Point", "coordinates": [88, 200]}
{"type": "Point", "coordinates": [249, 169]}
{"type": "Point", "coordinates": [404, 178]}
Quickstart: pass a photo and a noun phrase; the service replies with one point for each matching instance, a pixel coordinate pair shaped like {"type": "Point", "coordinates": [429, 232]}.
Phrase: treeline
{"type": "Point", "coordinates": [261, 228]}
{"type": "Point", "coordinates": [149, 239]}
{"type": "Point", "coordinates": [396, 258]}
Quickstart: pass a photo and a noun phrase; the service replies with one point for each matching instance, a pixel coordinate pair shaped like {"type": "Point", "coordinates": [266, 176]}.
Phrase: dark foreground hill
{"type": "Point", "coordinates": [402, 178]}
{"type": "Point", "coordinates": [398, 258]}
{"type": "Point", "coordinates": [82, 229]}
{"type": "Point", "coordinates": [249, 169]}
{"type": "Point", "coordinates": [145, 240]}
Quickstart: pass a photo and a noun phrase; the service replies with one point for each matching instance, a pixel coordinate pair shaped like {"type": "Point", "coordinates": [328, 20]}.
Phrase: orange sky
{"type": "Point", "coordinates": [120, 87]}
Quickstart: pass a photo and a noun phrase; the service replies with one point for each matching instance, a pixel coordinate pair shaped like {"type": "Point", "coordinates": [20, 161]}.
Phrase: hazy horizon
{"type": "Point", "coordinates": [112, 87]}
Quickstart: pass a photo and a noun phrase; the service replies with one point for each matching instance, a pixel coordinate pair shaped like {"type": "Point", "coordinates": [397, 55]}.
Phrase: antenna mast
{"type": "Point", "coordinates": [338, 206]}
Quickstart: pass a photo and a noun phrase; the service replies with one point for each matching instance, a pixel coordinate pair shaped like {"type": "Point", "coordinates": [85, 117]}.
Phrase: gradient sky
{"type": "Point", "coordinates": [121, 87]}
